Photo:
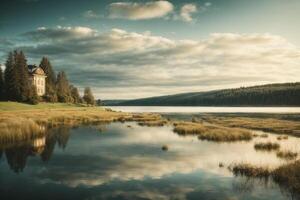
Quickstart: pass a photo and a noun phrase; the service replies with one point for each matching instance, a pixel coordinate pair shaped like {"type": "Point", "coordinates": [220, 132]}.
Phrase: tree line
{"type": "Point", "coordinates": [284, 94]}
{"type": "Point", "coordinates": [15, 84]}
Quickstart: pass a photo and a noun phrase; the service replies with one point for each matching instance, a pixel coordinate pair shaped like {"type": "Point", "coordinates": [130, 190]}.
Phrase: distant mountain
{"type": "Point", "coordinates": [284, 94]}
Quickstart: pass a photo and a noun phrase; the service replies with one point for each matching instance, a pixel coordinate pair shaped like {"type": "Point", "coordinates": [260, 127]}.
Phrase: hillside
{"type": "Point", "coordinates": [286, 94]}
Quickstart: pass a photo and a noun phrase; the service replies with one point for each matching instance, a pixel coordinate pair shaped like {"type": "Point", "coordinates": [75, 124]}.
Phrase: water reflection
{"type": "Point", "coordinates": [128, 163]}
{"type": "Point", "coordinates": [17, 154]}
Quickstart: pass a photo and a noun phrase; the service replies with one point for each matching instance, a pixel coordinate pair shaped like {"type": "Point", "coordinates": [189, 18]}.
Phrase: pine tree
{"type": "Point", "coordinates": [75, 94]}
{"type": "Point", "coordinates": [11, 78]}
{"type": "Point", "coordinates": [33, 98]}
{"type": "Point", "coordinates": [63, 88]}
{"type": "Point", "coordinates": [1, 85]}
{"type": "Point", "coordinates": [88, 96]}
{"type": "Point", "coordinates": [50, 80]}
{"type": "Point", "coordinates": [23, 77]}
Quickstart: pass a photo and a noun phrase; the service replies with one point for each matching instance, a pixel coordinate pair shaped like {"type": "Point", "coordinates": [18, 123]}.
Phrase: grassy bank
{"type": "Point", "coordinates": [21, 121]}
{"type": "Point", "coordinates": [212, 132]}
{"type": "Point", "coordinates": [273, 125]}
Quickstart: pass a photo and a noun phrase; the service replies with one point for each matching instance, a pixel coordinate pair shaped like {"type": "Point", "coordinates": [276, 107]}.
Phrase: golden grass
{"type": "Point", "coordinates": [266, 146]}
{"type": "Point", "coordinates": [282, 137]}
{"type": "Point", "coordinates": [21, 124]}
{"type": "Point", "coordinates": [212, 132]}
{"type": "Point", "coordinates": [153, 123]}
{"type": "Point", "coordinates": [264, 135]}
{"type": "Point", "coordinates": [265, 124]}
{"type": "Point", "coordinates": [248, 170]}
{"type": "Point", "coordinates": [287, 155]}
{"type": "Point", "coordinates": [286, 176]}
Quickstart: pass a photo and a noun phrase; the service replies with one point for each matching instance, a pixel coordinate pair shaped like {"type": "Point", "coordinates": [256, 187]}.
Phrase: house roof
{"type": "Point", "coordinates": [33, 69]}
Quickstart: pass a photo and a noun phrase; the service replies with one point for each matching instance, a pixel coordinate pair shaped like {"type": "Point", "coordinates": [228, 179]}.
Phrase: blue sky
{"type": "Point", "coordinates": [131, 49]}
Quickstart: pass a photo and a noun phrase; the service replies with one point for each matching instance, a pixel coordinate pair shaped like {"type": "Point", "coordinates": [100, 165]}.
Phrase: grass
{"type": "Point", "coordinates": [264, 135]}
{"type": "Point", "coordinates": [152, 123]}
{"type": "Point", "coordinates": [286, 176]}
{"type": "Point", "coordinates": [266, 146]}
{"type": "Point", "coordinates": [211, 132]}
{"type": "Point", "coordinates": [280, 126]}
{"type": "Point", "coordinates": [249, 170]}
{"type": "Point", "coordinates": [287, 155]}
{"type": "Point", "coordinates": [20, 121]}
{"type": "Point", "coordinates": [282, 137]}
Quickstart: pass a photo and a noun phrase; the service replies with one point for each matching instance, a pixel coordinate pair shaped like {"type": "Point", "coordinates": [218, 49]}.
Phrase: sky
{"type": "Point", "coordinates": [135, 49]}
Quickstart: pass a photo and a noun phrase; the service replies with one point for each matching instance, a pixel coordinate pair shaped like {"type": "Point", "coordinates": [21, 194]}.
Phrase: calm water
{"type": "Point", "coordinates": [125, 161]}
{"type": "Point", "coordinates": [199, 109]}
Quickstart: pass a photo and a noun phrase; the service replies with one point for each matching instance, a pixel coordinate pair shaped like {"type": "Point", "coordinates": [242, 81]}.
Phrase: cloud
{"type": "Point", "coordinates": [136, 65]}
{"type": "Point", "coordinates": [186, 12]}
{"type": "Point", "coordinates": [90, 14]}
{"type": "Point", "coordinates": [139, 11]}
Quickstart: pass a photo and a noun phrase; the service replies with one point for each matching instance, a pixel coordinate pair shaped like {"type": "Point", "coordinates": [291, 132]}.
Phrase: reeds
{"type": "Point", "coordinates": [287, 155]}
{"type": "Point", "coordinates": [212, 132]}
{"type": "Point", "coordinates": [286, 176]}
{"type": "Point", "coordinates": [279, 126]}
{"type": "Point", "coordinates": [266, 146]}
{"type": "Point", "coordinates": [249, 170]}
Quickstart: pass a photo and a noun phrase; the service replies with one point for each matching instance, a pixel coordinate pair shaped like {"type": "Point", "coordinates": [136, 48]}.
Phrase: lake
{"type": "Point", "coordinates": [126, 161]}
{"type": "Point", "coordinates": [199, 109]}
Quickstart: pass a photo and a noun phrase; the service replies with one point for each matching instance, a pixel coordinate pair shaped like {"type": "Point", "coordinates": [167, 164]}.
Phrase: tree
{"type": "Point", "coordinates": [63, 88]}
{"type": "Point", "coordinates": [88, 96]}
{"type": "Point", "coordinates": [11, 78]}
{"type": "Point", "coordinates": [23, 77]}
{"type": "Point", "coordinates": [75, 94]}
{"type": "Point", "coordinates": [1, 85]}
{"type": "Point", "coordinates": [50, 95]}
{"type": "Point", "coordinates": [33, 98]}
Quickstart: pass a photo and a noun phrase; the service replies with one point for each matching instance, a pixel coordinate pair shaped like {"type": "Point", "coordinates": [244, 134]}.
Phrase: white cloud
{"type": "Point", "coordinates": [186, 12]}
{"type": "Point", "coordinates": [90, 14]}
{"type": "Point", "coordinates": [151, 65]}
{"type": "Point", "coordinates": [138, 11]}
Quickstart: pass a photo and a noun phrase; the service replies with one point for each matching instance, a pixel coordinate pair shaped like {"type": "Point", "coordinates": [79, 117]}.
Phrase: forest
{"type": "Point", "coordinates": [15, 84]}
{"type": "Point", "coordinates": [284, 94]}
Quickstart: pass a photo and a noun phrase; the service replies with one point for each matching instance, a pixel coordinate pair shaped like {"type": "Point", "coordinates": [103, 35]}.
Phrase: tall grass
{"type": "Point", "coordinates": [287, 155]}
{"type": "Point", "coordinates": [286, 176]}
{"type": "Point", "coordinates": [279, 126]}
{"type": "Point", "coordinates": [266, 146]}
{"type": "Point", "coordinates": [211, 132]}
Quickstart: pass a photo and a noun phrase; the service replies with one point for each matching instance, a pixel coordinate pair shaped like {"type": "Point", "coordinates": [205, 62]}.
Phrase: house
{"type": "Point", "coordinates": [37, 77]}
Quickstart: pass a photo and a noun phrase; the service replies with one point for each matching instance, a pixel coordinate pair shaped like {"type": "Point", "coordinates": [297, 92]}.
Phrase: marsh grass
{"type": "Point", "coordinates": [282, 137]}
{"type": "Point", "coordinates": [264, 135]}
{"type": "Point", "coordinates": [153, 123]}
{"type": "Point", "coordinates": [248, 170]}
{"type": "Point", "coordinates": [20, 124]}
{"type": "Point", "coordinates": [280, 126]}
{"type": "Point", "coordinates": [211, 132]}
{"type": "Point", "coordinates": [287, 176]}
{"type": "Point", "coordinates": [266, 146]}
{"type": "Point", "coordinates": [287, 155]}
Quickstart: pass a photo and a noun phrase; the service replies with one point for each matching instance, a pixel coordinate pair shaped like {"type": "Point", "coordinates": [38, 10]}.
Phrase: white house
{"type": "Point", "coordinates": [37, 77]}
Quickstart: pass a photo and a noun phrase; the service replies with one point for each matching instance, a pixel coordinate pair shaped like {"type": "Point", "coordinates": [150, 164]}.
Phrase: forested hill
{"type": "Point", "coordinates": [287, 94]}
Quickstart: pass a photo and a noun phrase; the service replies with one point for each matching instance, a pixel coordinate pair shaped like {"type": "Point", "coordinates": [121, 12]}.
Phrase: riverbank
{"type": "Point", "coordinates": [22, 121]}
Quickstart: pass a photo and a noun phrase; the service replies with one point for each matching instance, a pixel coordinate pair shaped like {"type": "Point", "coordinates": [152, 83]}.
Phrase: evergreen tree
{"type": "Point", "coordinates": [23, 77]}
{"type": "Point", "coordinates": [50, 80]}
{"type": "Point", "coordinates": [11, 78]}
{"type": "Point", "coordinates": [88, 96]}
{"type": "Point", "coordinates": [75, 94]}
{"type": "Point", "coordinates": [1, 85]}
{"type": "Point", "coordinates": [63, 88]}
{"type": "Point", "coordinates": [33, 98]}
